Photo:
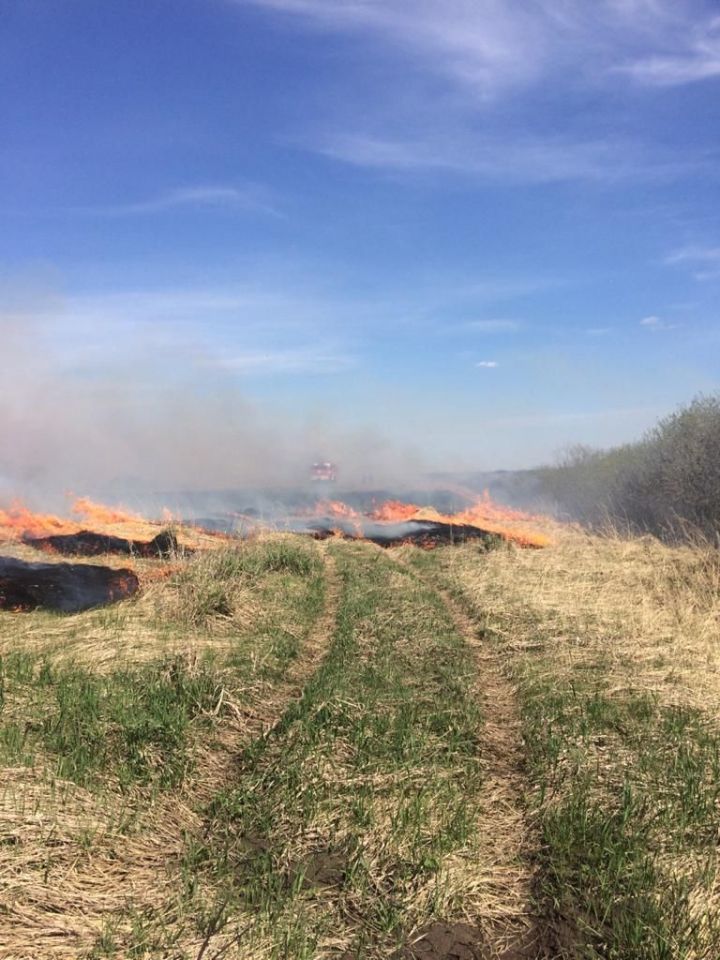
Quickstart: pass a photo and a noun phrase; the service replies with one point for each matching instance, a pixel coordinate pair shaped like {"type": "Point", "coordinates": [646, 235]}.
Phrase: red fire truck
{"type": "Point", "coordinates": [324, 471]}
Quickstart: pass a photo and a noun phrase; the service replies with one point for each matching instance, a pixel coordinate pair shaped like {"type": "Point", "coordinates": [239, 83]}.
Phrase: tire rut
{"type": "Point", "coordinates": [510, 835]}
{"type": "Point", "coordinates": [257, 720]}
{"type": "Point", "coordinates": [312, 653]}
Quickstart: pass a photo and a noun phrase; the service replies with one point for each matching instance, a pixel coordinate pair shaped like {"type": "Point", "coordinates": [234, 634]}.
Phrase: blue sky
{"type": "Point", "coordinates": [480, 228]}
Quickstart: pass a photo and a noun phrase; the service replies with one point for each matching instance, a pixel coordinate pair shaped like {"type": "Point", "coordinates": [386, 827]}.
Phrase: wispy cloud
{"type": "Point", "coordinates": [656, 323]}
{"type": "Point", "coordinates": [254, 330]}
{"type": "Point", "coordinates": [484, 44]}
{"type": "Point", "coordinates": [493, 326]}
{"type": "Point", "coordinates": [487, 364]}
{"type": "Point", "coordinates": [697, 59]}
{"type": "Point", "coordinates": [317, 360]}
{"type": "Point", "coordinates": [252, 198]}
{"type": "Point", "coordinates": [491, 46]}
{"type": "Point", "coordinates": [487, 50]}
{"type": "Point", "coordinates": [526, 159]}
{"type": "Point", "coordinates": [705, 261]}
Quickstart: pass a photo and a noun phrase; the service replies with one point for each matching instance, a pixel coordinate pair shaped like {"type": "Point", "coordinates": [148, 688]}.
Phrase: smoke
{"type": "Point", "coordinates": [125, 409]}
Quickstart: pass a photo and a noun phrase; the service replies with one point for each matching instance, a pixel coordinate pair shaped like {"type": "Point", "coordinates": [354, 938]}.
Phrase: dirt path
{"type": "Point", "coordinates": [514, 933]}
{"type": "Point", "coordinates": [313, 650]}
{"type": "Point", "coordinates": [256, 716]}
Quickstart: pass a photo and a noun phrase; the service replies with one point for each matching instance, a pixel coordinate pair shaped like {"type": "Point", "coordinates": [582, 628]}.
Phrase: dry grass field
{"type": "Point", "coordinates": [290, 749]}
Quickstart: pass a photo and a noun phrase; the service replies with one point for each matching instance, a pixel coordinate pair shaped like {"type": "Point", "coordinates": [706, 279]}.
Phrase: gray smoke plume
{"type": "Point", "coordinates": [126, 411]}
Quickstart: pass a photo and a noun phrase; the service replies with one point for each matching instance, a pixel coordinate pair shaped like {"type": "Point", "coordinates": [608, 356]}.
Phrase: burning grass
{"type": "Point", "coordinates": [393, 522]}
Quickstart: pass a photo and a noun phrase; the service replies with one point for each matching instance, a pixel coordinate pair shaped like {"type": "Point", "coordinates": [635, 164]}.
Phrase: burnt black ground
{"type": "Point", "coordinates": [87, 543]}
{"type": "Point", "coordinates": [63, 587]}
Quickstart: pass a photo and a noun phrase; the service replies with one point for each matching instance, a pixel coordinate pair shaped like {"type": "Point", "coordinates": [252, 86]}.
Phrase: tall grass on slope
{"type": "Point", "coordinates": [613, 646]}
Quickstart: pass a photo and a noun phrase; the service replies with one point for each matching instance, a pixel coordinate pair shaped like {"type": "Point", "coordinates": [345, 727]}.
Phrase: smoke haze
{"type": "Point", "coordinates": [127, 410]}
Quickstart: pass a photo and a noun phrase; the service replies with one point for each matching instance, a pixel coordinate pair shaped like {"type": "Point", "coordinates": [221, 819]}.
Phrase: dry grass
{"type": "Point", "coordinates": [292, 760]}
{"type": "Point", "coordinates": [357, 823]}
{"type": "Point", "coordinates": [649, 612]}
{"type": "Point", "coordinates": [612, 644]}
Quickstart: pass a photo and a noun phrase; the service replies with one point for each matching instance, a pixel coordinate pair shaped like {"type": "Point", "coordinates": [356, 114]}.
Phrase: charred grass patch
{"type": "Point", "coordinates": [622, 755]}
{"type": "Point", "coordinates": [351, 824]}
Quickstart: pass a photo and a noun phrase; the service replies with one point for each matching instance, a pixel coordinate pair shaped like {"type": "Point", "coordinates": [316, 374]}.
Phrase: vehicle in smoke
{"type": "Point", "coordinates": [323, 471]}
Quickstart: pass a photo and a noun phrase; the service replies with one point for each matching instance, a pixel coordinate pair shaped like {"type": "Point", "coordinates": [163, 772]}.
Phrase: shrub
{"type": "Point", "coordinates": [665, 484]}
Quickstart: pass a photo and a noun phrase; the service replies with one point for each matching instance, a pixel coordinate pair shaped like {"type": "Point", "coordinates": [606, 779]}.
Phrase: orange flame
{"type": "Point", "coordinates": [484, 514]}
{"type": "Point", "coordinates": [336, 508]}
{"type": "Point", "coordinates": [93, 512]}
{"type": "Point", "coordinates": [18, 522]}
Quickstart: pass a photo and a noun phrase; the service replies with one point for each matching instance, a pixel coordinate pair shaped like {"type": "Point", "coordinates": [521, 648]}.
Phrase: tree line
{"type": "Point", "coordinates": [667, 483]}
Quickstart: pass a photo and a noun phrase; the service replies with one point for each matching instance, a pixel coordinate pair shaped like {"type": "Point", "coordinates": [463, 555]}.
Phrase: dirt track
{"type": "Point", "coordinates": [502, 814]}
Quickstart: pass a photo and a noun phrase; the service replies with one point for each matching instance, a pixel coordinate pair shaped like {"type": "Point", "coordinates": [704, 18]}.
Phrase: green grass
{"type": "Point", "coordinates": [350, 814]}
{"type": "Point", "coordinates": [140, 724]}
{"type": "Point", "coordinates": [134, 723]}
{"type": "Point", "coordinates": [628, 793]}
{"type": "Point", "coordinates": [208, 586]}
{"type": "Point", "coordinates": [340, 819]}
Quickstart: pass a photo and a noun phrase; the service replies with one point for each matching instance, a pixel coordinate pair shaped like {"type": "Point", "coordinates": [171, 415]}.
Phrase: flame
{"type": "Point", "coordinates": [484, 514]}
{"type": "Point", "coordinates": [336, 508]}
{"type": "Point", "coordinates": [93, 512]}
{"type": "Point", "coordinates": [19, 522]}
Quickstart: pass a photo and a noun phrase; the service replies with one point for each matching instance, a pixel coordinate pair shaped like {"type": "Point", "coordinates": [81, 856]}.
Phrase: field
{"type": "Point", "coordinates": [292, 749]}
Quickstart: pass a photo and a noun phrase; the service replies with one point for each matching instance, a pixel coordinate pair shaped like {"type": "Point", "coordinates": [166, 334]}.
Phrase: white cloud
{"type": "Point", "coordinates": [526, 159]}
{"type": "Point", "coordinates": [493, 326]}
{"type": "Point", "coordinates": [489, 46]}
{"type": "Point", "coordinates": [697, 59]}
{"type": "Point", "coordinates": [705, 260]}
{"type": "Point", "coordinates": [487, 364]}
{"type": "Point", "coordinates": [251, 197]}
{"type": "Point", "coordinates": [257, 329]}
{"type": "Point", "coordinates": [304, 360]}
{"type": "Point", "coordinates": [484, 44]}
{"type": "Point", "coordinates": [656, 323]}
{"type": "Point", "coordinates": [487, 50]}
